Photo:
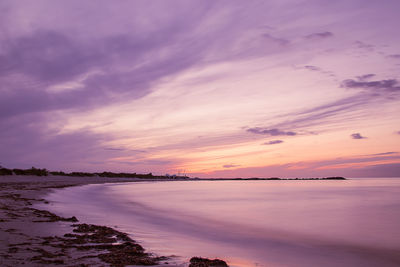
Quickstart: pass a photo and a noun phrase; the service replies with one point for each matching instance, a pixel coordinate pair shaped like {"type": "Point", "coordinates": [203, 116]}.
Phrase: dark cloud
{"type": "Point", "coordinates": [319, 70]}
{"type": "Point", "coordinates": [332, 113]}
{"type": "Point", "coordinates": [114, 149]}
{"type": "Point", "coordinates": [394, 56]}
{"type": "Point", "coordinates": [338, 111]}
{"type": "Point", "coordinates": [147, 162]}
{"type": "Point", "coordinates": [273, 142]}
{"type": "Point", "coordinates": [391, 85]}
{"type": "Point", "coordinates": [319, 35]}
{"type": "Point", "coordinates": [276, 40]}
{"type": "Point", "coordinates": [357, 136]}
{"type": "Point", "coordinates": [48, 56]}
{"type": "Point", "coordinates": [272, 132]}
{"type": "Point", "coordinates": [365, 77]}
{"type": "Point", "coordinates": [27, 141]}
{"type": "Point", "coordinates": [32, 64]}
{"type": "Point", "coordinates": [124, 150]}
{"type": "Point", "coordinates": [313, 68]}
{"type": "Point", "coordinates": [365, 46]}
{"type": "Point", "coordinates": [227, 166]}
{"type": "Point", "coordinates": [94, 62]}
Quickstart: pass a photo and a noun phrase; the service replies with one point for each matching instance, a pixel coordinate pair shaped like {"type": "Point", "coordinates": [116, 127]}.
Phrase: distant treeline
{"type": "Point", "coordinates": [44, 172]}
{"type": "Point", "coordinates": [32, 171]}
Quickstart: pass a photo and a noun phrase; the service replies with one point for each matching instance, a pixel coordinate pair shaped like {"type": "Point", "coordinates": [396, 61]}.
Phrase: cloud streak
{"type": "Point", "coordinates": [227, 166]}
{"type": "Point", "coordinates": [271, 132]}
{"type": "Point", "coordinates": [390, 85]}
{"type": "Point", "coordinates": [366, 166]}
{"type": "Point", "coordinates": [273, 142]}
{"type": "Point", "coordinates": [319, 35]}
{"type": "Point", "coordinates": [312, 68]}
{"type": "Point", "coordinates": [357, 136]}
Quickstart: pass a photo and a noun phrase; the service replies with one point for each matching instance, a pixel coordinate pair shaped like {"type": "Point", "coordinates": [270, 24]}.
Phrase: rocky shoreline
{"type": "Point", "coordinates": [35, 237]}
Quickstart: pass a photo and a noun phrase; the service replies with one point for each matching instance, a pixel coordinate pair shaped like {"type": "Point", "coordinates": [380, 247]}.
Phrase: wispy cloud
{"type": "Point", "coordinates": [272, 132]}
{"type": "Point", "coordinates": [357, 136]}
{"type": "Point", "coordinates": [230, 166]}
{"type": "Point", "coordinates": [124, 149]}
{"type": "Point", "coordinates": [361, 166]}
{"type": "Point", "coordinates": [384, 153]}
{"type": "Point", "coordinates": [319, 35]}
{"type": "Point", "coordinates": [360, 160]}
{"type": "Point", "coordinates": [365, 46]}
{"type": "Point", "coordinates": [273, 142]}
{"type": "Point", "coordinates": [278, 41]}
{"type": "Point", "coordinates": [313, 68]}
{"type": "Point", "coordinates": [329, 113]}
{"type": "Point", "coordinates": [320, 70]}
{"type": "Point", "coordinates": [391, 85]}
{"type": "Point", "coordinates": [97, 67]}
{"type": "Point", "coordinates": [114, 149]}
{"type": "Point", "coordinates": [365, 77]}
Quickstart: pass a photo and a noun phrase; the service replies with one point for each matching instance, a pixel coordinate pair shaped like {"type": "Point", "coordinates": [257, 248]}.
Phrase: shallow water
{"type": "Point", "coordinates": [251, 223]}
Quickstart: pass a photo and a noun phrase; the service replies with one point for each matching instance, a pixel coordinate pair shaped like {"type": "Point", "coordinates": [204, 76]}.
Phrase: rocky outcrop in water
{"type": "Point", "coordinates": [204, 262]}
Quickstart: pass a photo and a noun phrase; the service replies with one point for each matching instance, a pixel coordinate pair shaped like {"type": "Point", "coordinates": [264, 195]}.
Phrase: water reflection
{"type": "Point", "coordinates": [252, 223]}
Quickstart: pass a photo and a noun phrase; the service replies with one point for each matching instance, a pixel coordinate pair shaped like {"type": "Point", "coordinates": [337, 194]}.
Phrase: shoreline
{"type": "Point", "coordinates": [32, 236]}
{"type": "Point", "coordinates": [37, 237]}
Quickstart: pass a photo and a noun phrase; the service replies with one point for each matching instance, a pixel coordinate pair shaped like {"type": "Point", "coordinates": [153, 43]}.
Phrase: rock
{"type": "Point", "coordinates": [204, 262]}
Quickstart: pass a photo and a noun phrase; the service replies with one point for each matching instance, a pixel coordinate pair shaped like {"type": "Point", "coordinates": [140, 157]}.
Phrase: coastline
{"type": "Point", "coordinates": [31, 235]}
{"type": "Point", "coordinates": [36, 237]}
{"type": "Point", "coordinates": [39, 237]}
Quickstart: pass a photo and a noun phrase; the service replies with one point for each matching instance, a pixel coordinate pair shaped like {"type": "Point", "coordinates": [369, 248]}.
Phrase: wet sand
{"type": "Point", "coordinates": [36, 237]}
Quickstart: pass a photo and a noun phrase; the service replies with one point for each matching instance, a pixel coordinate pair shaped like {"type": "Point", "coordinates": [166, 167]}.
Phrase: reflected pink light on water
{"type": "Point", "coordinates": [252, 223]}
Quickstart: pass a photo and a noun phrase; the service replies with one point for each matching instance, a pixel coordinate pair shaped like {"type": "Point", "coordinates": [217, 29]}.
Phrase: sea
{"type": "Point", "coordinates": [353, 222]}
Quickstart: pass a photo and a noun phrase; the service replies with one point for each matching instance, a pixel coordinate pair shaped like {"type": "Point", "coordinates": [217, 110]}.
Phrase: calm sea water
{"type": "Point", "coordinates": [251, 223]}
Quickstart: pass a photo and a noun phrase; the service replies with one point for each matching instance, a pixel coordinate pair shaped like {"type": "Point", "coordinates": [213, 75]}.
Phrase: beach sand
{"type": "Point", "coordinates": [35, 237]}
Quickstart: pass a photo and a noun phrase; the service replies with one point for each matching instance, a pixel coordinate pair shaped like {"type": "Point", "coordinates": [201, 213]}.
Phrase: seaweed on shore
{"type": "Point", "coordinates": [51, 217]}
{"type": "Point", "coordinates": [85, 245]}
{"type": "Point", "coordinates": [94, 241]}
{"type": "Point", "coordinates": [119, 249]}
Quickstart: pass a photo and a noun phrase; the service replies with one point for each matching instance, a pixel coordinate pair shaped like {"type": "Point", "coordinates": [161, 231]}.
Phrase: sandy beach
{"type": "Point", "coordinates": [36, 237]}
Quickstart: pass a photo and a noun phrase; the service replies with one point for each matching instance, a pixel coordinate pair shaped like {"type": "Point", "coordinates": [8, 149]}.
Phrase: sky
{"type": "Point", "coordinates": [287, 88]}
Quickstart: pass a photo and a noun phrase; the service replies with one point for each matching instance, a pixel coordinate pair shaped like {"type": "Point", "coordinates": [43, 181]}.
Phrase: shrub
{"type": "Point", "coordinates": [5, 171]}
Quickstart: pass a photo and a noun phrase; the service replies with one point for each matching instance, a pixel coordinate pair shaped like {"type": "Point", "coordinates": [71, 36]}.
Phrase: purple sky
{"type": "Point", "coordinates": [210, 88]}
